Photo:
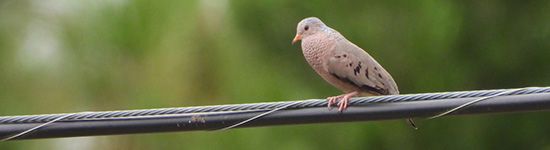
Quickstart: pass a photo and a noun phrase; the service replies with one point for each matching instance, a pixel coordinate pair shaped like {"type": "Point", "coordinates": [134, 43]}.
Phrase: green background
{"type": "Point", "coordinates": [76, 55]}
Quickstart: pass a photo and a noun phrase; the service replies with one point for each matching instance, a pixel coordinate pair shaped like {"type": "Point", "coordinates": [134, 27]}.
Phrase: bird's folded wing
{"type": "Point", "coordinates": [353, 65]}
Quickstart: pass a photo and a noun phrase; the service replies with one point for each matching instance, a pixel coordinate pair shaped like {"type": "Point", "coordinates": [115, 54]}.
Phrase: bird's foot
{"type": "Point", "coordinates": [343, 104]}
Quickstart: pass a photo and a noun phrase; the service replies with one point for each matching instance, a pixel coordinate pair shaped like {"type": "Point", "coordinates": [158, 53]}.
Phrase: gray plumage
{"type": "Point", "coordinates": [342, 63]}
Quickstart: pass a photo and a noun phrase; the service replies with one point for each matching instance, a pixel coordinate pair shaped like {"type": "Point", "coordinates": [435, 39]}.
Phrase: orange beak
{"type": "Point", "coordinates": [296, 38]}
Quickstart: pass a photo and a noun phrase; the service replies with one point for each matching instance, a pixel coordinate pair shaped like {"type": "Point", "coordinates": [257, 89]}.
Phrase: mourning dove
{"type": "Point", "coordinates": [342, 63]}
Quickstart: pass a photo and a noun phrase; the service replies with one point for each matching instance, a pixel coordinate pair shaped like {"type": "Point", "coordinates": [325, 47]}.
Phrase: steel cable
{"type": "Point", "coordinates": [263, 106]}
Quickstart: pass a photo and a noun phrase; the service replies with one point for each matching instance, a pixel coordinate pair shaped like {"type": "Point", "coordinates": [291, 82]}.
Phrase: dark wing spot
{"type": "Point", "coordinates": [380, 75]}
{"type": "Point", "coordinates": [375, 68]}
{"type": "Point", "coordinates": [357, 69]}
{"type": "Point", "coordinates": [345, 55]}
{"type": "Point", "coordinates": [367, 73]}
{"type": "Point", "coordinates": [337, 56]}
{"type": "Point", "coordinates": [350, 64]}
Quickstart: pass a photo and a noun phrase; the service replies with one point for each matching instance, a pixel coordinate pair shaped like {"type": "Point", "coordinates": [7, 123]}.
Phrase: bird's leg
{"type": "Point", "coordinates": [343, 104]}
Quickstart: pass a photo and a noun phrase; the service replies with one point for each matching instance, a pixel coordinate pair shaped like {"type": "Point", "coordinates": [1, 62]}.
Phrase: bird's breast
{"type": "Point", "coordinates": [315, 50]}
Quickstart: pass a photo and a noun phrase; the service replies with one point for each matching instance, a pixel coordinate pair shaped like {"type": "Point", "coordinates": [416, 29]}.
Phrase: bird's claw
{"type": "Point", "coordinates": [331, 100]}
{"type": "Point", "coordinates": [343, 104]}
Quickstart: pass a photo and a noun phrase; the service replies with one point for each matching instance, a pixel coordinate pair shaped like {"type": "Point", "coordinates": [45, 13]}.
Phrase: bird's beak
{"type": "Point", "coordinates": [296, 38]}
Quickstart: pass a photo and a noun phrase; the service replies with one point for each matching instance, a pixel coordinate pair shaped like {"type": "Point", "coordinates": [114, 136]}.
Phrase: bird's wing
{"type": "Point", "coordinates": [353, 65]}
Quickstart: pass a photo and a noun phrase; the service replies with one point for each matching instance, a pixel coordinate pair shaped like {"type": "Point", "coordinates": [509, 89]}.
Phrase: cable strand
{"type": "Point", "coordinates": [263, 106]}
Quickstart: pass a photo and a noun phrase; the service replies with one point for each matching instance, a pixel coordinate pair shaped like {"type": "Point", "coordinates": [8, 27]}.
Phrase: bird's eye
{"type": "Point", "coordinates": [306, 28]}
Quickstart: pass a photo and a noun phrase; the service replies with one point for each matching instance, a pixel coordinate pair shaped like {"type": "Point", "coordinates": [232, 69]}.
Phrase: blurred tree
{"type": "Point", "coordinates": [69, 56]}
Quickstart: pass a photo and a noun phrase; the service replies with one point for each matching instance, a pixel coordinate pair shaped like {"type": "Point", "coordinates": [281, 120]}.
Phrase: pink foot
{"type": "Point", "coordinates": [343, 104]}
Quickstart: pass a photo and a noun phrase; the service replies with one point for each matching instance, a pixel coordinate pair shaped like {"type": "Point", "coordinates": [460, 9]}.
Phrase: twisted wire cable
{"type": "Point", "coordinates": [221, 117]}
{"type": "Point", "coordinates": [264, 106]}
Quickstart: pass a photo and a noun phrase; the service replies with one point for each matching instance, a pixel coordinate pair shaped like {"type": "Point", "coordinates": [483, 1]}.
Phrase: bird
{"type": "Point", "coordinates": [342, 64]}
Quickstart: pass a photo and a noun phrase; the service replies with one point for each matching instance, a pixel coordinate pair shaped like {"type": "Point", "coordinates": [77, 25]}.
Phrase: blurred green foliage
{"type": "Point", "coordinates": [71, 56]}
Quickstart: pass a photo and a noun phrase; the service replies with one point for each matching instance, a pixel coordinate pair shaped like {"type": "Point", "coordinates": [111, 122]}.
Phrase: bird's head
{"type": "Point", "coordinates": [307, 27]}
